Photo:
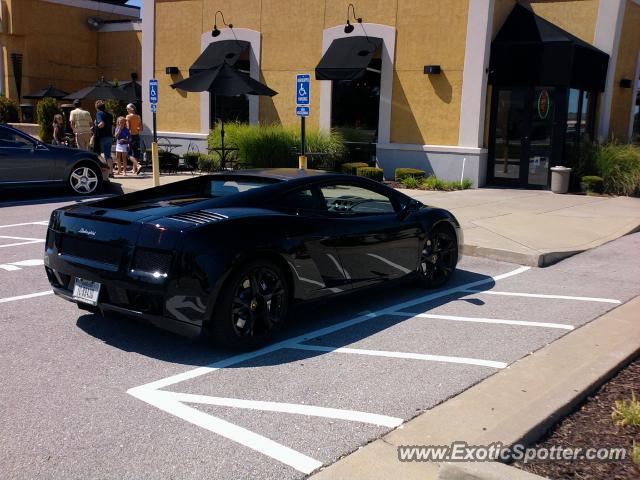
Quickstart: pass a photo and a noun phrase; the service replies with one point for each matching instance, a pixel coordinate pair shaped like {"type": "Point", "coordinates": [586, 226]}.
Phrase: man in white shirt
{"type": "Point", "coordinates": [81, 123]}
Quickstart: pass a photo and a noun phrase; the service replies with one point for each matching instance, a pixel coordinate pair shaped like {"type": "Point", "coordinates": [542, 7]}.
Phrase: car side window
{"type": "Point", "coordinates": [300, 199]}
{"type": "Point", "coordinates": [9, 139]}
{"type": "Point", "coordinates": [345, 199]}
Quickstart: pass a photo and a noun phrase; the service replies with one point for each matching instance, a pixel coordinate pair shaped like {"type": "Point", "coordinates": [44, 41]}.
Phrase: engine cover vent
{"type": "Point", "coordinates": [199, 217]}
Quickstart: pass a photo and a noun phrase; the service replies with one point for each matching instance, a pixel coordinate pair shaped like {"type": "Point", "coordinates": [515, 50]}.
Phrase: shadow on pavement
{"type": "Point", "coordinates": [133, 336]}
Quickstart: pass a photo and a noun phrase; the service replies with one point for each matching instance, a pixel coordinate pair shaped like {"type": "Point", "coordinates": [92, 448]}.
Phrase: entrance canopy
{"type": "Point", "coordinates": [217, 53]}
{"type": "Point", "coordinates": [530, 50]}
{"type": "Point", "coordinates": [347, 58]}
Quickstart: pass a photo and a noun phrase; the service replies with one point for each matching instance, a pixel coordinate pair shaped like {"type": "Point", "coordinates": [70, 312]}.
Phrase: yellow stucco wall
{"type": "Point", "coordinates": [58, 47]}
{"type": "Point", "coordinates": [424, 109]}
{"type": "Point", "coordinates": [625, 68]}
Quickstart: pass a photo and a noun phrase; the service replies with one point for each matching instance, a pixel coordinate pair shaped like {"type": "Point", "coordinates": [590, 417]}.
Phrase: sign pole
{"type": "Point", "coordinates": [155, 163]}
{"type": "Point", "coordinates": [302, 159]}
{"type": "Point", "coordinates": [303, 100]}
{"type": "Point", "coordinates": [153, 101]}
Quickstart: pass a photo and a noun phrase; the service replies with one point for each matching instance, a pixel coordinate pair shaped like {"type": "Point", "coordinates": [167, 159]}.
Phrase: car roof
{"type": "Point", "coordinates": [280, 173]}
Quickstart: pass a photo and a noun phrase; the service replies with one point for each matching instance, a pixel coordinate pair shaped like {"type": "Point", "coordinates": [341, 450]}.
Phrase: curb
{"type": "Point", "coordinates": [534, 394]}
{"type": "Point", "coordinates": [531, 260]}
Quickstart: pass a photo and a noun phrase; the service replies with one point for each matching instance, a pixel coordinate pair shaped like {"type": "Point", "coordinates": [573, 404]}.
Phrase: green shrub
{"type": "Point", "coordinates": [591, 184]}
{"type": "Point", "coordinates": [47, 108]}
{"type": "Point", "coordinates": [401, 173]}
{"type": "Point", "coordinates": [373, 173]}
{"type": "Point", "coordinates": [270, 146]}
{"type": "Point", "coordinates": [627, 412]}
{"type": "Point", "coordinates": [434, 183]}
{"type": "Point", "coordinates": [9, 110]}
{"type": "Point", "coordinates": [619, 166]}
{"type": "Point", "coordinates": [208, 162]}
{"type": "Point", "coordinates": [191, 159]}
{"type": "Point", "coordinates": [351, 168]}
{"type": "Point", "coordinates": [116, 108]}
{"type": "Point", "coordinates": [410, 182]}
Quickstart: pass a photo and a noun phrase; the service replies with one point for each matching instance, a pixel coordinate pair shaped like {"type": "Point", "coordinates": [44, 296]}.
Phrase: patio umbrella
{"type": "Point", "coordinates": [101, 90]}
{"type": "Point", "coordinates": [132, 89]}
{"type": "Point", "coordinates": [49, 92]}
{"type": "Point", "coordinates": [225, 81]}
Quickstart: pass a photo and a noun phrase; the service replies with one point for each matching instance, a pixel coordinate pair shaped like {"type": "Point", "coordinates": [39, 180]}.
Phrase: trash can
{"type": "Point", "coordinates": [560, 179]}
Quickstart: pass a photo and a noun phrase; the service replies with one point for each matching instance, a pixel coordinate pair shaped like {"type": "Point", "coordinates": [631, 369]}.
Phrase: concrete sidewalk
{"type": "Point", "coordinates": [528, 227]}
{"type": "Point", "coordinates": [534, 227]}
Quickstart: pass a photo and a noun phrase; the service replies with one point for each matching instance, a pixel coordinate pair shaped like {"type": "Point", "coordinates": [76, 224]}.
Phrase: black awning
{"type": "Point", "coordinates": [530, 50]}
{"type": "Point", "coordinates": [347, 58]}
{"type": "Point", "coordinates": [217, 53]}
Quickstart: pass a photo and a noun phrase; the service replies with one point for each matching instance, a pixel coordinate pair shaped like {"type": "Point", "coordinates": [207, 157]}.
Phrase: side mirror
{"type": "Point", "coordinates": [407, 208]}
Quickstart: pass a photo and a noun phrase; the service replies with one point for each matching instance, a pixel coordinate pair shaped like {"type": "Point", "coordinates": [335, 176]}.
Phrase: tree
{"type": "Point", "coordinates": [46, 110]}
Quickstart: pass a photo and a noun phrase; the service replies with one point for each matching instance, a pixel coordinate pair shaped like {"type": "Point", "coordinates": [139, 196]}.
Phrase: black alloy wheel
{"type": "Point", "coordinates": [252, 307]}
{"type": "Point", "coordinates": [439, 257]}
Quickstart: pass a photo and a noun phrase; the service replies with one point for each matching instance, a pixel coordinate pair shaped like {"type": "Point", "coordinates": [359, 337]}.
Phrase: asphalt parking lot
{"type": "Point", "coordinates": [89, 397]}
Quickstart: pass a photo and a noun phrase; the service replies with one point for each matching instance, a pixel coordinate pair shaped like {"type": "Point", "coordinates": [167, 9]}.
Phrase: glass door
{"type": "Point", "coordinates": [521, 138]}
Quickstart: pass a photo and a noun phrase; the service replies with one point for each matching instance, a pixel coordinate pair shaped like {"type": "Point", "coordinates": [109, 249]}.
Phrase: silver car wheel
{"type": "Point", "coordinates": [83, 180]}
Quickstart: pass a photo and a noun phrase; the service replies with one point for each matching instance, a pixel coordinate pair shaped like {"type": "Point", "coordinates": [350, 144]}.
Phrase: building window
{"type": "Point", "coordinates": [355, 105]}
{"type": "Point", "coordinates": [580, 117]}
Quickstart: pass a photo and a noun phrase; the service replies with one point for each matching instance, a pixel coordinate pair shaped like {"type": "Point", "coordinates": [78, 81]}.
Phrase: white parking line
{"type": "Point", "coordinates": [42, 222]}
{"type": "Point", "coordinates": [24, 297]}
{"type": "Point", "coordinates": [13, 266]}
{"type": "Point", "coordinates": [405, 355]}
{"type": "Point", "coordinates": [294, 408]}
{"type": "Point", "coordinates": [151, 393]}
{"type": "Point", "coordinates": [540, 295]}
{"type": "Point", "coordinates": [562, 326]}
{"type": "Point", "coordinates": [26, 242]}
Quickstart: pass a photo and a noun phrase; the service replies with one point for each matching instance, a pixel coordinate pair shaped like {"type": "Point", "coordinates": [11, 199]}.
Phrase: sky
{"type": "Point", "coordinates": [135, 3]}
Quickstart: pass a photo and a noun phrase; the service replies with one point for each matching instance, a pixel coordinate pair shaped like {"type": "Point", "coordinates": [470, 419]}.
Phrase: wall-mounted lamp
{"type": "Point", "coordinates": [432, 69]}
{"type": "Point", "coordinates": [348, 28]}
{"type": "Point", "coordinates": [625, 83]}
{"type": "Point", "coordinates": [215, 31]}
{"type": "Point", "coordinates": [172, 70]}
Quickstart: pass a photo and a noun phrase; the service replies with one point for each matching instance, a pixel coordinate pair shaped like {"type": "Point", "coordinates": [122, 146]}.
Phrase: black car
{"type": "Point", "coordinates": [227, 254]}
{"type": "Point", "coordinates": [26, 162]}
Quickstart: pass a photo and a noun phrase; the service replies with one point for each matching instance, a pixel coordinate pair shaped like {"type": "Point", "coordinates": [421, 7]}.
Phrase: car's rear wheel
{"type": "Point", "coordinates": [84, 179]}
{"type": "Point", "coordinates": [253, 305]}
{"type": "Point", "coordinates": [439, 257]}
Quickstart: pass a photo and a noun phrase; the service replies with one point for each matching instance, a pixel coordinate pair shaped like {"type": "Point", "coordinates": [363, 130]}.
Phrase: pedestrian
{"type": "Point", "coordinates": [58, 130]}
{"type": "Point", "coordinates": [123, 139]}
{"type": "Point", "coordinates": [81, 122]}
{"type": "Point", "coordinates": [134, 124]}
{"type": "Point", "coordinates": [104, 133]}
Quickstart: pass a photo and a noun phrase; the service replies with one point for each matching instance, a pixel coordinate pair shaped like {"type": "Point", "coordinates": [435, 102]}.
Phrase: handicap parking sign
{"type": "Point", "coordinates": [302, 111]}
{"type": "Point", "coordinates": [153, 91]}
{"type": "Point", "coordinates": [303, 89]}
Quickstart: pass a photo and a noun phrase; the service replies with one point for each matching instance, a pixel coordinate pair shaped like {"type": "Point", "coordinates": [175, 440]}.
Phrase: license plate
{"type": "Point", "coordinates": [86, 291]}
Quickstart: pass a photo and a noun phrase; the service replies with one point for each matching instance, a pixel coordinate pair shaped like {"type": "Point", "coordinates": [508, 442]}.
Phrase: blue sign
{"type": "Point", "coordinates": [153, 91]}
{"type": "Point", "coordinates": [154, 107]}
{"type": "Point", "coordinates": [302, 111]}
{"type": "Point", "coordinates": [303, 89]}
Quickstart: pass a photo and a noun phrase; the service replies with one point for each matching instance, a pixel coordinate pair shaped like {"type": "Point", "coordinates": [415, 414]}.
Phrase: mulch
{"type": "Point", "coordinates": [592, 426]}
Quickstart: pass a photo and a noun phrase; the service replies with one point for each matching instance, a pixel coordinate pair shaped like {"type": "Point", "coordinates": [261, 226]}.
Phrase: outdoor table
{"type": "Point", "coordinates": [169, 146]}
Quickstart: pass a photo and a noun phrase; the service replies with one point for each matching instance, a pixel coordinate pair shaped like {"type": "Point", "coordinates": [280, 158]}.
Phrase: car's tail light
{"type": "Point", "coordinates": [151, 262]}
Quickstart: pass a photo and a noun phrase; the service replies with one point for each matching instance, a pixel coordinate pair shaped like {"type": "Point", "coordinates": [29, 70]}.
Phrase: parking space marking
{"type": "Point", "coordinates": [165, 401]}
{"type": "Point", "coordinates": [13, 266]}
{"type": "Point", "coordinates": [294, 408]}
{"type": "Point", "coordinates": [454, 318]}
{"type": "Point", "coordinates": [42, 222]}
{"type": "Point", "coordinates": [541, 295]}
{"type": "Point", "coordinates": [26, 241]}
{"type": "Point", "coordinates": [24, 297]}
{"type": "Point", "coordinates": [151, 393]}
{"type": "Point", "coordinates": [404, 355]}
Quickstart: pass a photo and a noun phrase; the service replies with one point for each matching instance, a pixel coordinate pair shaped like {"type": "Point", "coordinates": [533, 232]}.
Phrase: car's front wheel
{"type": "Point", "coordinates": [439, 257]}
{"type": "Point", "coordinates": [253, 305]}
{"type": "Point", "coordinates": [84, 179]}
